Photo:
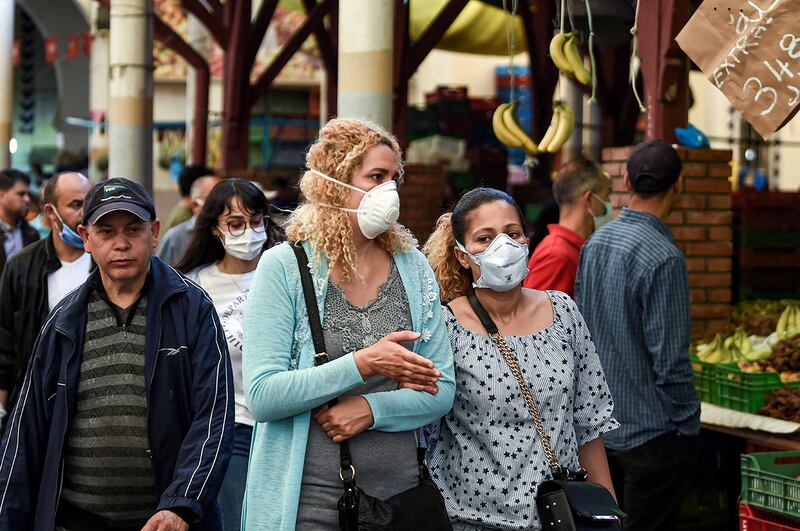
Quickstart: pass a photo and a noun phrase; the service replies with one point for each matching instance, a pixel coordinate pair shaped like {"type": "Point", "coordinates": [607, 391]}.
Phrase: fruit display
{"type": "Point", "coordinates": [567, 57]}
{"type": "Point", "coordinates": [789, 321]}
{"type": "Point", "coordinates": [759, 317]}
{"type": "Point", "coordinates": [736, 348]}
{"type": "Point", "coordinates": [782, 404]}
{"type": "Point", "coordinates": [786, 355]}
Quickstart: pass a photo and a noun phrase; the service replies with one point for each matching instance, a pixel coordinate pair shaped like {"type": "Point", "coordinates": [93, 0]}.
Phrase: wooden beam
{"type": "Point", "coordinates": [259, 29]}
{"type": "Point", "coordinates": [328, 49]}
{"type": "Point", "coordinates": [211, 21]}
{"type": "Point", "coordinates": [401, 49]}
{"type": "Point", "coordinates": [294, 43]}
{"type": "Point", "coordinates": [323, 37]}
{"type": "Point", "coordinates": [170, 39]}
{"type": "Point", "coordinates": [420, 49]}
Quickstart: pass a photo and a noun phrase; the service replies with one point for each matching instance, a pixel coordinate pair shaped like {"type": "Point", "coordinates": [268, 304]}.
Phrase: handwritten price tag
{"type": "Point", "coordinates": [750, 50]}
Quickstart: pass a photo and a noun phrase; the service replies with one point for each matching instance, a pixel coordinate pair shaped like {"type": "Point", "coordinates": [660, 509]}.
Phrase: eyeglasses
{"type": "Point", "coordinates": [236, 227]}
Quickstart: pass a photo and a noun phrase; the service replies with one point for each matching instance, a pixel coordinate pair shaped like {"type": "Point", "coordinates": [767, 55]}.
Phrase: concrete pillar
{"type": "Point", "coordinates": [6, 79]}
{"type": "Point", "coordinates": [593, 139]}
{"type": "Point", "coordinates": [365, 60]}
{"type": "Point", "coordinates": [131, 91]}
{"type": "Point", "coordinates": [98, 88]}
{"type": "Point", "coordinates": [199, 39]}
{"type": "Point", "coordinates": [573, 96]}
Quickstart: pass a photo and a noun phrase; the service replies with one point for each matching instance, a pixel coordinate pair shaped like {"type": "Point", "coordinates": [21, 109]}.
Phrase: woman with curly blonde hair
{"type": "Point", "coordinates": [479, 254]}
{"type": "Point", "coordinates": [377, 301]}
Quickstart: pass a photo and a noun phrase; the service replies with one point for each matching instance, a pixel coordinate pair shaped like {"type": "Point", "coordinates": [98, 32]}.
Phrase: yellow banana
{"type": "Point", "coordinates": [575, 59]}
{"type": "Point", "coordinates": [551, 130]}
{"type": "Point", "coordinates": [783, 320]}
{"type": "Point", "coordinates": [557, 53]}
{"type": "Point", "coordinates": [513, 127]}
{"type": "Point", "coordinates": [565, 126]}
{"type": "Point", "coordinates": [499, 128]}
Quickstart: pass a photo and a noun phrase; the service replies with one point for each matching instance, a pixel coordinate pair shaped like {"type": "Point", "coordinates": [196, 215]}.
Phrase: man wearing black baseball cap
{"type": "Point", "coordinates": [125, 418]}
{"type": "Point", "coordinates": [633, 289]}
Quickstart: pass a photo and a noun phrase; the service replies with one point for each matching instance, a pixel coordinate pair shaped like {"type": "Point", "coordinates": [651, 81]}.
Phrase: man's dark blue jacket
{"type": "Point", "coordinates": [190, 399]}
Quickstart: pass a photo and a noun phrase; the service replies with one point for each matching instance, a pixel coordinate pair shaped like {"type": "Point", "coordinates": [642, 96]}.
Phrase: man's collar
{"type": "Point", "coordinates": [637, 216]}
{"type": "Point", "coordinates": [572, 237]}
{"type": "Point", "coordinates": [6, 228]}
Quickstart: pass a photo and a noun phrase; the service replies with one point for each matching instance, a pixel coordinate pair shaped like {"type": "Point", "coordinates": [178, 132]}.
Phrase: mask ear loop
{"type": "Point", "coordinates": [324, 205]}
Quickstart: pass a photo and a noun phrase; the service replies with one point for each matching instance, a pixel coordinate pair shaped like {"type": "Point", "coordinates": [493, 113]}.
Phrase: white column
{"type": "Point", "coordinates": [98, 91]}
{"type": "Point", "coordinates": [6, 79]}
{"type": "Point", "coordinates": [199, 39]}
{"type": "Point", "coordinates": [366, 30]}
{"type": "Point", "coordinates": [594, 137]}
{"type": "Point", "coordinates": [131, 91]}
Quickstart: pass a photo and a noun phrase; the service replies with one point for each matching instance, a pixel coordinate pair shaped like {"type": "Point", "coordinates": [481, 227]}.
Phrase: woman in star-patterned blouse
{"type": "Point", "coordinates": [485, 455]}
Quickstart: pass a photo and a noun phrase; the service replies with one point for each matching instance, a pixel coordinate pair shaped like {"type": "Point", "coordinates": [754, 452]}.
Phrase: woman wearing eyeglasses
{"type": "Point", "coordinates": [231, 232]}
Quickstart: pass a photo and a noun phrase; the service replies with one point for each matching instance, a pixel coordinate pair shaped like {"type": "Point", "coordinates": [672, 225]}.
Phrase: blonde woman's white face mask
{"type": "Point", "coordinates": [378, 210]}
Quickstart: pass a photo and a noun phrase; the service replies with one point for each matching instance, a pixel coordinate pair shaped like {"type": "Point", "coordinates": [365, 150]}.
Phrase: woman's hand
{"type": "Point", "coordinates": [389, 358]}
{"type": "Point", "coordinates": [349, 417]}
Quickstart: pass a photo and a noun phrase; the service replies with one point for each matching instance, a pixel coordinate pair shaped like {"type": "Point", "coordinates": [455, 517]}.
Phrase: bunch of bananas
{"type": "Point", "coordinates": [568, 58]}
{"type": "Point", "coordinates": [789, 322]}
{"type": "Point", "coordinates": [560, 129]}
{"type": "Point", "coordinates": [508, 131]}
{"type": "Point", "coordinates": [738, 347]}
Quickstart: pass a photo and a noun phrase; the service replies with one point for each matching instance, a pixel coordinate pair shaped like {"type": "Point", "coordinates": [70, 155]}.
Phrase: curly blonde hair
{"type": "Point", "coordinates": [338, 151]}
{"type": "Point", "coordinates": [454, 280]}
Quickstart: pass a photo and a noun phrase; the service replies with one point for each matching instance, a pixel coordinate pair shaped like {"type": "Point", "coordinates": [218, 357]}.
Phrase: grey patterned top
{"type": "Point", "coordinates": [386, 463]}
{"type": "Point", "coordinates": [485, 455]}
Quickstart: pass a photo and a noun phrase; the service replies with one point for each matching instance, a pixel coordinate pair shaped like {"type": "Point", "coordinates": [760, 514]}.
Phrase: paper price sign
{"type": "Point", "coordinates": [750, 50]}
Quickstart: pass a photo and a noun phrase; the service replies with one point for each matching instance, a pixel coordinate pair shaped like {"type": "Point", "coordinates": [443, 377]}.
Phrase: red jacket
{"type": "Point", "coordinates": [554, 263]}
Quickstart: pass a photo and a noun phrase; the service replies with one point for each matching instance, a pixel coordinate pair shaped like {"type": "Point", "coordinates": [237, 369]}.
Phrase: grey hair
{"type": "Point", "coordinates": [576, 177]}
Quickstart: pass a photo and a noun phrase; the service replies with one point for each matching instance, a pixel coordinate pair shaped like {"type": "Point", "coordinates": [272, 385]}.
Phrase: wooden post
{"type": "Point", "coordinates": [665, 68]}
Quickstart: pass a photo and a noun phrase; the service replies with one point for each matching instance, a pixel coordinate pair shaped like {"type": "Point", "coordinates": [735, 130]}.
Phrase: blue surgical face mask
{"type": "Point", "coordinates": [605, 217]}
{"type": "Point", "coordinates": [68, 235]}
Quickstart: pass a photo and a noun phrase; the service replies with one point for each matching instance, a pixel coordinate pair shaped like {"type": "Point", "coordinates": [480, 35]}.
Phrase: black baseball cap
{"type": "Point", "coordinates": [653, 167]}
{"type": "Point", "coordinates": [117, 194]}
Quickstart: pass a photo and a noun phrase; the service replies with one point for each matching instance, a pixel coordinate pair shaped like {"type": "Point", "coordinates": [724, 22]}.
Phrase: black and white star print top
{"type": "Point", "coordinates": [485, 454]}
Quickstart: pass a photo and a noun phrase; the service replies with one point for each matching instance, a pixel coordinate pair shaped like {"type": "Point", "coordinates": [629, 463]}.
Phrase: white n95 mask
{"type": "Point", "coordinates": [504, 264]}
{"type": "Point", "coordinates": [378, 209]}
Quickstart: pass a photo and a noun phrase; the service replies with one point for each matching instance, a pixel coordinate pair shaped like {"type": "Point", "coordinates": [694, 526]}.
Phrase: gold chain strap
{"type": "Point", "coordinates": [511, 360]}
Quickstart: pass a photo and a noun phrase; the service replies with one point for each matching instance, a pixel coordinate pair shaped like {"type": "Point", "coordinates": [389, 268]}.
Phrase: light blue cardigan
{"type": "Point", "coordinates": [282, 386]}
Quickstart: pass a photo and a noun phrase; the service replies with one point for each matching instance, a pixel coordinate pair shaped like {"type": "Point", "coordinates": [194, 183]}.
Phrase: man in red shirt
{"type": "Point", "coordinates": [582, 191]}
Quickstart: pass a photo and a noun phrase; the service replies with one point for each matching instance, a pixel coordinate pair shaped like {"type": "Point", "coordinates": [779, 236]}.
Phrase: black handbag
{"type": "Point", "coordinates": [420, 508]}
{"type": "Point", "coordinates": [567, 502]}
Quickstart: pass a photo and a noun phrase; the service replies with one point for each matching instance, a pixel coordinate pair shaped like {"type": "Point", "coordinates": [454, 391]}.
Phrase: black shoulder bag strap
{"type": "Point", "coordinates": [320, 354]}
{"type": "Point", "coordinates": [511, 360]}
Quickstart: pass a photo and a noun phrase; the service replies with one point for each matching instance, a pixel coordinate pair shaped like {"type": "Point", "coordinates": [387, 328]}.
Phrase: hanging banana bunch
{"type": "Point", "coordinates": [509, 132]}
{"type": "Point", "coordinates": [567, 57]}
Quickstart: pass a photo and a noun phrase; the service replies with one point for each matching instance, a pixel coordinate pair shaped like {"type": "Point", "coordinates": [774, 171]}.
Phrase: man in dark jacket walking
{"type": "Point", "coordinates": [125, 417]}
{"type": "Point", "coordinates": [15, 233]}
{"type": "Point", "coordinates": [36, 279]}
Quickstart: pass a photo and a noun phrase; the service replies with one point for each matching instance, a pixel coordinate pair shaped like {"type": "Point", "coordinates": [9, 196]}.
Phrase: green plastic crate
{"type": "Point", "coordinates": [744, 391]}
{"type": "Point", "coordinates": [704, 378]}
{"type": "Point", "coordinates": [769, 481]}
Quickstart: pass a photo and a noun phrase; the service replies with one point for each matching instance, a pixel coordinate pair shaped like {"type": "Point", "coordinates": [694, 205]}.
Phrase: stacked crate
{"type": "Point", "coordinates": [770, 492]}
{"type": "Point", "coordinates": [768, 238]}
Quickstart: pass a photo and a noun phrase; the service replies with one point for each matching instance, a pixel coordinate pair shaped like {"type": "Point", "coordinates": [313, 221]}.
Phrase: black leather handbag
{"type": "Point", "coordinates": [420, 508]}
{"type": "Point", "coordinates": [567, 502]}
